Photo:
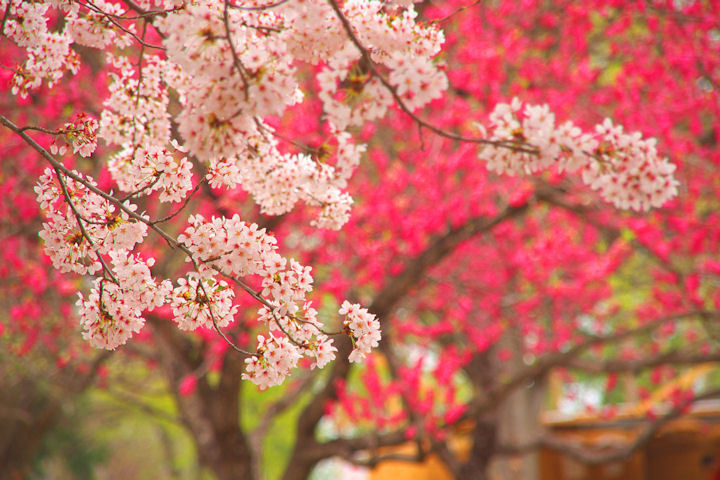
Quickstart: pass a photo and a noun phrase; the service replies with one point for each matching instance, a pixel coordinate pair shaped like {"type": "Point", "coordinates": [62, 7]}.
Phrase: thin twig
{"type": "Point", "coordinates": [459, 10]}
{"type": "Point", "coordinates": [110, 18]}
{"type": "Point", "coordinates": [141, 190]}
{"type": "Point", "coordinates": [44, 130]}
{"type": "Point", "coordinates": [261, 7]}
{"type": "Point", "coordinates": [302, 146]}
{"type": "Point", "coordinates": [236, 59]}
{"type": "Point", "coordinates": [185, 203]}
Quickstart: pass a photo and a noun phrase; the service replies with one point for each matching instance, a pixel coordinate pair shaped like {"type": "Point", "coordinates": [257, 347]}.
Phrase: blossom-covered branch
{"type": "Point", "coordinates": [113, 311]}
{"type": "Point", "coordinates": [207, 87]}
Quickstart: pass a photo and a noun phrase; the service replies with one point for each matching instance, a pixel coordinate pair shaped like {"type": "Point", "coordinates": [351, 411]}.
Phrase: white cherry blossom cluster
{"type": "Point", "coordinates": [290, 339]}
{"type": "Point", "coordinates": [133, 275]}
{"type": "Point", "coordinates": [353, 97]}
{"type": "Point", "coordinates": [26, 23]}
{"type": "Point", "coordinates": [93, 29]}
{"type": "Point", "coordinates": [48, 53]}
{"type": "Point", "coordinates": [202, 301]}
{"type": "Point", "coordinates": [226, 89]}
{"type": "Point", "coordinates": [104, 228]}
{"type": "Point", "coordinates": [152, 170]}
{"type": "Point", "coordinates": [364, 98]}
{"type": "Point", "coordinates": [362, 327]}
{"type": "Point", "coordinates": [113, 311]}
{"type": "Point", "coordinates": [136, 118]}
{"type": "Point", "coordinates": [231, 67]}
{"type": "Point", "coordinates": [628, 171]}
{"type": "Point", "coordinates": [623, 167]}
{"type": "Point", "coordinates": [224, 86]}
{"type": "Point", "coordinates": [237, 249]}
{"type": "Point", "coordinates": [416, 79]}
{"type": "Point", "coordinates": [274, 361]}
{"type": "Point", "coordinates": [80, 133]}
{"type": "Point", "coordinates": [288, 287]}
{"type": "Point", "coordinates": [136, 110]}
{"type": "Point", "coordinates": [304, 329]}
{"type": "Point", "coordinates": [105, 319]}
{"type": "Point", "coordinates": [278, 181]}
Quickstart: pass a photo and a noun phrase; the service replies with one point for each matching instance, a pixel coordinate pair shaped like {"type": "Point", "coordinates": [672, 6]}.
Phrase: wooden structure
{"type": "Point", "coordinates": [687, 448]}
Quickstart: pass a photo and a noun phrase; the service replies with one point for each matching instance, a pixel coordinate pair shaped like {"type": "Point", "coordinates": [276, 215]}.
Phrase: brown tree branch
{"type": "Point", "coordinates": [346, 447]}
{"type": "Point", "coordinates": [674, 357]}
{"type": "Point", "coordinates": [492, 398]}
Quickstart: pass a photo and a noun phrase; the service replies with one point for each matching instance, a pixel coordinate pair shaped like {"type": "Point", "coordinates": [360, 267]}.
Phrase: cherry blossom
{"type": "Point", "coordinates": [363, 328]}
{"type": "Point", "coordinates": [113, 311]}
{"type": "Point", "coordinates": [76, 233]}
{"type": "Point", "coordinates": [200, 301]}
{"type": "Point", "coordinates": [625, 168]}
{"type": "Point", "coordinates": [81, 133]}
{"type": "Point", "coordinates": [274, 361]}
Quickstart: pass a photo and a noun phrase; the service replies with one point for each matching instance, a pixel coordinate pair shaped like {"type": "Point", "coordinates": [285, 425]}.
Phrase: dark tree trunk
{"type": "Point", "coordinates": [229, 462]}
{"type": "Point", "coordinates": [223, 403]}
{"type": "Point", "coordinates": [483, 370]}
{"type": "Point", "coordinates": [484, 442]}
{"type": "Point", "coordinates": [211, 414]}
